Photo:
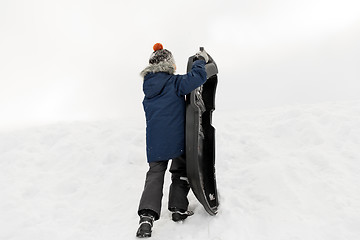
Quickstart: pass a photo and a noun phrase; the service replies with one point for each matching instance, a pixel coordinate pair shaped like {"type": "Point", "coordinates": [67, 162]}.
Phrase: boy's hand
{"type": "Point", "coordinates": [202, 55]}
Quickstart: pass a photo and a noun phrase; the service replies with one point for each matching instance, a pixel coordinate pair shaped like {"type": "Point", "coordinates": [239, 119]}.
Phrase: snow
{"type": "Point", "coordinates": [283, 173]}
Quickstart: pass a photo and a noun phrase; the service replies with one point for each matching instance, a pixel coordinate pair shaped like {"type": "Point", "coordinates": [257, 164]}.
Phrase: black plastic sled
{"type": "Point", "coordinates": [200, 138]}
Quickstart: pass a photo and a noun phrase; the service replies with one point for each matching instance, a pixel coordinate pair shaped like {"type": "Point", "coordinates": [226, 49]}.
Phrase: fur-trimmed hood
{"type": "Point", "coordinates": [163, 66]}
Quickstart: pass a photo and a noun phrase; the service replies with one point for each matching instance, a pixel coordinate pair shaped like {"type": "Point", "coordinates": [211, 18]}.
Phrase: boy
{"type": "Point", "coordinates": [164, 106]}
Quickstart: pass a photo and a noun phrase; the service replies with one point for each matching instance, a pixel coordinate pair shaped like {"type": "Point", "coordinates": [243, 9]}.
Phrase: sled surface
{"type": "Point", "coordinates": [200, 139]}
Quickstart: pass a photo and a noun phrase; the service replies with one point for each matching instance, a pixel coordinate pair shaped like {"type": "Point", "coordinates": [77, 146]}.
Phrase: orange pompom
{"type": "Point", "coordinates": [157, 46]}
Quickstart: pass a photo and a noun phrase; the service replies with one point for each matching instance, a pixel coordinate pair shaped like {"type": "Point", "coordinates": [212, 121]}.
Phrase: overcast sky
{"type": "Point", "coordinates": [80, 60]}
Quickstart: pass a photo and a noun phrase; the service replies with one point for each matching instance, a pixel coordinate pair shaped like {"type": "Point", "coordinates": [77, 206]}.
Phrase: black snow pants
{"type": "Point", "coordinates": [153, 190]}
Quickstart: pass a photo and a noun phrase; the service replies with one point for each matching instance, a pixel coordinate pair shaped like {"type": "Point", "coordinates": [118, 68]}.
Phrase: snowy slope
{"type": "Point", "coordinates": [285, 173]}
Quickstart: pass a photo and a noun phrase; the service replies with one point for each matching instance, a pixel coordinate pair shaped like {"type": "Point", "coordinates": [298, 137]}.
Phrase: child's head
{"type": "Point", "coordinates": [161, 55]}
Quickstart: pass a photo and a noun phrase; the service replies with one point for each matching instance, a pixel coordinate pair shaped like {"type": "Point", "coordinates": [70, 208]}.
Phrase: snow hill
{"type": "Point", "coordinates": [286, 174]}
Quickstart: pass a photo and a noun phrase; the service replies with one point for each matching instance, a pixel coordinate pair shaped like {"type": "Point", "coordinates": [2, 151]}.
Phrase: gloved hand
{"type": "Point", "coordinates": [202, 55]}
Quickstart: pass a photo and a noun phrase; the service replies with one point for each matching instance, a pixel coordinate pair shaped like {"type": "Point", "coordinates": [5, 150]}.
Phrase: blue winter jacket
{"type": "Point", "coordinates": [164, 106]}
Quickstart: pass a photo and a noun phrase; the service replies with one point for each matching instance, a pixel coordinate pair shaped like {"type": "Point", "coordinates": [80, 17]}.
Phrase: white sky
{"type": "Point", "coordinates": [80, 60]}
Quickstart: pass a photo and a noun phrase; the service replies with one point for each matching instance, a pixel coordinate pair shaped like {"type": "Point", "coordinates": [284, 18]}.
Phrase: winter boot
{"type": "Point", "coordinates": [180, 215]}
{"type": "Point", "coordinates": [146, 223]}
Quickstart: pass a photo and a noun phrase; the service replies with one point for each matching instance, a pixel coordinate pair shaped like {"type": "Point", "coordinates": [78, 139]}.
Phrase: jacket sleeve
{"type": "Point", "coordinates": [193, 79]}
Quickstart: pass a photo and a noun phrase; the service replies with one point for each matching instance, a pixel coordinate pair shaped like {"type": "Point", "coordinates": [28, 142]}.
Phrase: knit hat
{"type": "Point", "coordinates": [161, 55]}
